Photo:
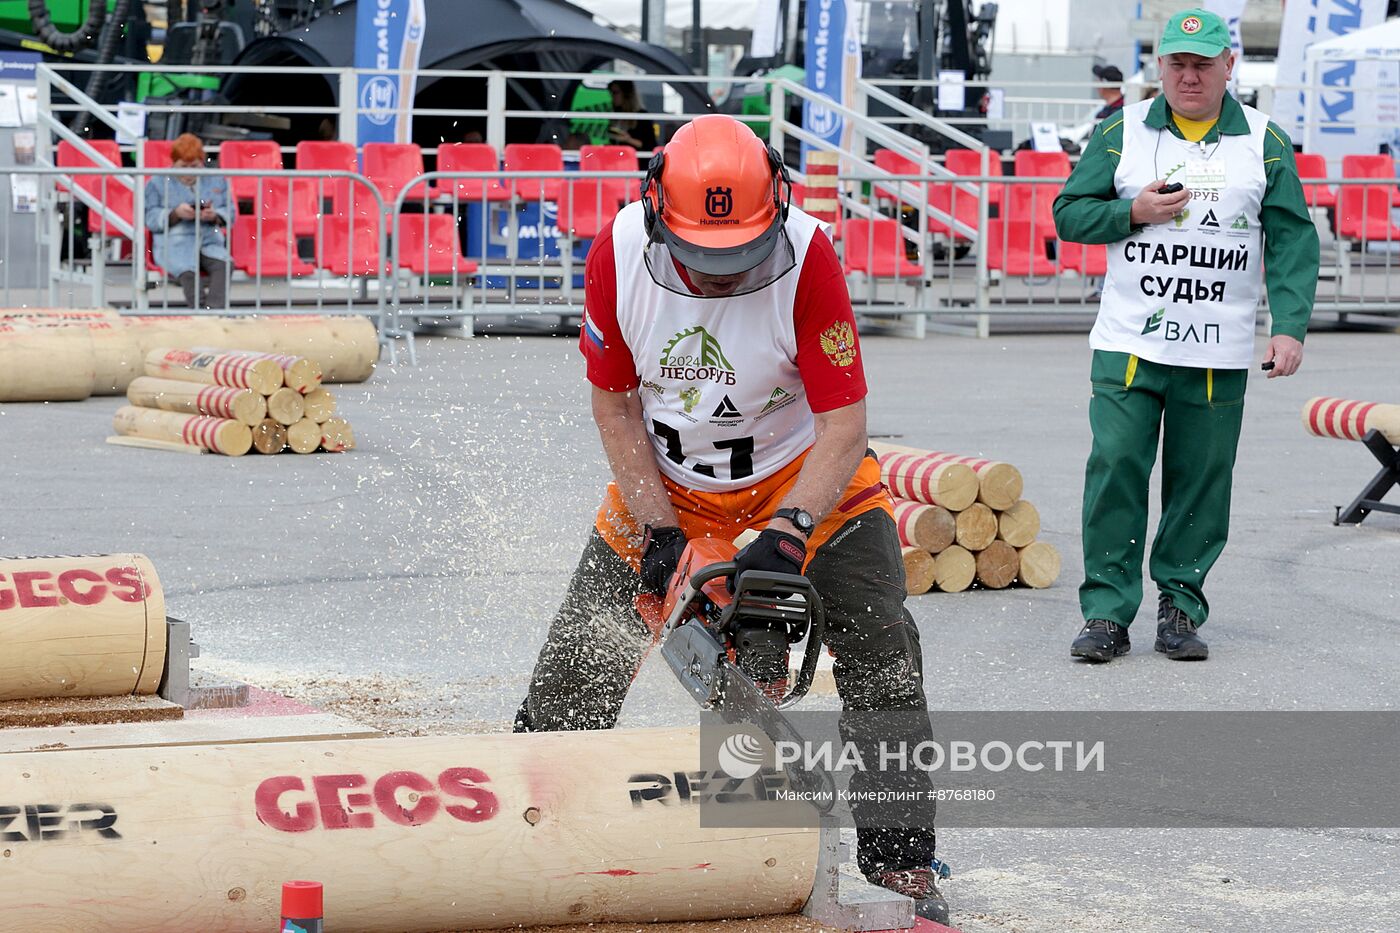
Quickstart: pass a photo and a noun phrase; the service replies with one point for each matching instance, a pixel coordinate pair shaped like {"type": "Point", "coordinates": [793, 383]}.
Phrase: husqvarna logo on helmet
{"type": "Point", "coordinates": [719, 201]}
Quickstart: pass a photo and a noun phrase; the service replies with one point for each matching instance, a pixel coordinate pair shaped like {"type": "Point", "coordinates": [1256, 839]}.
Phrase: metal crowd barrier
{"type": "Point", "coordinates": [916, 248]}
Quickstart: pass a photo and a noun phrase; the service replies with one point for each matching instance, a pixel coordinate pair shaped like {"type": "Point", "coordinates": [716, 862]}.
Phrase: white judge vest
{"type": "Point", "coordinates": [1185, 293]}
{"type": "Point", "coordinates": [720, 389]}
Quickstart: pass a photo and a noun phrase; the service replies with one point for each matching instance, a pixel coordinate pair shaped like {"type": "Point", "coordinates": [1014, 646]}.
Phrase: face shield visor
{"type": "Point", "coordinates": [720, 272]}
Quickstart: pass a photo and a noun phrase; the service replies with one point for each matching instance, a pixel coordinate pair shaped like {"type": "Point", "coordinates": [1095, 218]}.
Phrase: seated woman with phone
{"type": "Point", "coordinates": [188, 216]}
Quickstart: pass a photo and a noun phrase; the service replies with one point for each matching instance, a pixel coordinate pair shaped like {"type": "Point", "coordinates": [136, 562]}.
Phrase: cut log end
{"type": "Point", "coordinates": [919, 570]}
{"type": "Point", "coordinates": [954, 569]}
{"type": "Point", "coordinates": [286, 406]}
{"type": "Point", "coordinates": [336, 436]}
{"type": "Point", "coordinates": [1040, 565]}
{"type": "Point", "coordinates": [997, 565]}
{"type": "Point", "coordinates": [1019, 525]}
{"type": "Point", "coordinates": [976, 527]}
{"type": "Point", "coordinates": [304, 437]}
{"type": "Point", "coordinates": [319, 405]}
{"type": "Point", "coordinates": [269, 437]}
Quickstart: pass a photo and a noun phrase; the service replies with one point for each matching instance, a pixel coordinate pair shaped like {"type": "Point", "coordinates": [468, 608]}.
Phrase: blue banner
{"type": "Point", "coordinates": [832, 65]}
{"type": "Point", "coordinates": [388, 39]}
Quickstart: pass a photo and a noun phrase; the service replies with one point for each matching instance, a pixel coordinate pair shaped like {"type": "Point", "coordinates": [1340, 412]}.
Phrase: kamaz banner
{"type": "Point", "coordinates": [388, 39]}
{"type": "Point", "coordinates": [833, 66]}
{"type": "Point", "coordinates": [1306, 22]}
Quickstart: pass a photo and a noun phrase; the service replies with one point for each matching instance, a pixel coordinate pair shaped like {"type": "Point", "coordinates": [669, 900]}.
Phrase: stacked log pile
{"type": "Point", "coordinates": [229, 402]}
{"type": "Point", "coordinates": [962, 521]}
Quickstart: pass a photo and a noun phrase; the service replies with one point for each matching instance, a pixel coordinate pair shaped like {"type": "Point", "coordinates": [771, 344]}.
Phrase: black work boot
{"type": "Point", "coordinates": [918, 885]}
{"type": "Point", "coordinates": [1176, 634]}
{"type": "Point", "coordinates": [1100, 640]}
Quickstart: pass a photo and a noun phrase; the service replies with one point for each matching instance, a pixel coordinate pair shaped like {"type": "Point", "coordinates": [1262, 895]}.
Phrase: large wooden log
{"type": "Point", "coordinates": [1018, 525]}
{"type": "Point", "coordinates": [319, 405]}
{"type": "Point", "coordinates": [116, 355]}
{"type": "Point", "coordinates": [346, 348]}
{"type": "Point", "coordinates": [976, 527]}
{"type": "Point", "coordinates": [79, 627]}
{"type": "Point", "coordinates": [192, 398]}
{"type": "Point", "coordinates": [286, 406]}
{"type": "Point", "coordinates": [927, 479]}
{"type": "Point", "coordinates": [930, 527]}
{"type": "Point", "coordinates": [1349, 420]}
{"type": "Point", "coordinates": [410, 835]}
{"type": "Point", "coordinates": [954, 569]}
{"type": "Point", "coordinates": [269, 437]}
{"type": "Point", "coordinates": [46, 364]}
{"type": "Point", "coordinates": [161, 330]}
{"type": "Point", "coordinates": [59, 314]}
{"type": "Point", "coordinates": [997, 565]}
{"type": "Point", "coordinates": [1040, 564]}
{"type": "Point", "coordinates": [919, 570]}
{"type": "Point", "coordinates": [337, 436]}
{"type": "Point", "coordinates": [224, 369]}
{"type": "Point", "coordinates": [298, 372]}
{"type": "Point", "coordinates": [218, 435]}
{"type": "Point", "coordinates": [304, 437]}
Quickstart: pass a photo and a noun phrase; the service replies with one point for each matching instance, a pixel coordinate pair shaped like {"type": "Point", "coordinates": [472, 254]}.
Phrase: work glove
{"type": "Point", "coordinates": [661, 554]}
{"type": "Point", "coordinates": [773, 550]}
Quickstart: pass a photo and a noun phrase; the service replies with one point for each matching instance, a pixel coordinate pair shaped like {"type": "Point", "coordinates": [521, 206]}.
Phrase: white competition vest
{"type": "Point", "coordinates": [1184, 293]}
{"type": "Point", "coordinates": [720, 390]}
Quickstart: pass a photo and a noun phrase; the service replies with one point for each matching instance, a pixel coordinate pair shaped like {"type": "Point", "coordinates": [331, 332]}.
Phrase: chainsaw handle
{"type": "Point", "coordinates": [808, 671]}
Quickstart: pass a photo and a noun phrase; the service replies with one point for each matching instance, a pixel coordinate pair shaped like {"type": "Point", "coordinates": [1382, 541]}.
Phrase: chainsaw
{"type": "Point", "coordinates": [730, 649]}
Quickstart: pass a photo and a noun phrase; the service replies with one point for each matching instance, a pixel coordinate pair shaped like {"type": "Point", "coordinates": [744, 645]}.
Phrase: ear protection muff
{"type": "Point", "coordinates": [654, 197]}
{"type": "Point", "coordinates": [651, 189]}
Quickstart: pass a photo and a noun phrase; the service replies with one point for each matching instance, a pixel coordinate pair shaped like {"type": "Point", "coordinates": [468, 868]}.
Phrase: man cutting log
{"type": "Point", "coordinates": [1198, 198]}
{"type": "Point", "coordinates": [729, 394]}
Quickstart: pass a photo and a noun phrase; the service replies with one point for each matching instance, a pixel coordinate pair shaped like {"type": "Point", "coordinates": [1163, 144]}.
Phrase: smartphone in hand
{"type": "Point", "coordinates": [1173, 188]}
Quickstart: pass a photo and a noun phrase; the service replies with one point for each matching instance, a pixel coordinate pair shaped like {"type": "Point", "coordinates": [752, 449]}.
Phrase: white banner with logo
{"type": "Point", "coordinates": [1231, 11]}
{"type": "Point", "coordinates": [833, 67]}
{"type": "Point", "coordinates": [388, 40]}
{"type": "Point", "coordinates": [1304, 23]}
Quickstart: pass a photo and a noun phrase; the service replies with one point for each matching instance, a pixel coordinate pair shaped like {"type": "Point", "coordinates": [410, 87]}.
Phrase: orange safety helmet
{"type": "Point", "coordinates": [717, 196]}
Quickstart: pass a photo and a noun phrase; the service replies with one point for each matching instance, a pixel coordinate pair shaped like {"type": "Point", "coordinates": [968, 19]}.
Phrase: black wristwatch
{"type": "Point", "coordinates": [800, 519]}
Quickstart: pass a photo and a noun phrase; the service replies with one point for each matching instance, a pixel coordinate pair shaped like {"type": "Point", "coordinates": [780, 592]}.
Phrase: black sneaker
{"type": "Point", "coordinates": [1176, 634]}
{"type": "Point", "coordinates": [1100, 640]}
{"type": "Point", "coordinates": [919, 885]}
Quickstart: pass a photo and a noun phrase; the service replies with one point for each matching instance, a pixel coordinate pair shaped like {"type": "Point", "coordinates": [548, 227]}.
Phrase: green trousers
{"type": "Point", "coordinates": [1197, 413]}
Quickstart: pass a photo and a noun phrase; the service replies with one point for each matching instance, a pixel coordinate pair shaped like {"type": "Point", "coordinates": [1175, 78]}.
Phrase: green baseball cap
{"type": "Point", "coordinates": [1195, 31]}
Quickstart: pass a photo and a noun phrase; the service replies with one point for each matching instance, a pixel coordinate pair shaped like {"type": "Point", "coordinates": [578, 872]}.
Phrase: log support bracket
{"type": "Point", "coordinates": [846, 900]}
{"type": "Point", "coordinates": [1388, 477]}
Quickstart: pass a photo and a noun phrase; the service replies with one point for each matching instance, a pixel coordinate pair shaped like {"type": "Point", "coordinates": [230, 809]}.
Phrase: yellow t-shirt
{"type": "Point", "coordinates": [1193, 130]}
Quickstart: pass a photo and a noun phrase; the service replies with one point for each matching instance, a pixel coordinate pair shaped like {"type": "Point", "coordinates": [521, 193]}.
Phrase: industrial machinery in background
{"type": "Point", "coordinates": [911, 39]}
{"type": "Point", "coordinates": [178, 32]}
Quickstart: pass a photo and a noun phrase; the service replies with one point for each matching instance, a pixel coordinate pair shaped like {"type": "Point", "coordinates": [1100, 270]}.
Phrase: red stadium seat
{"type": "Point", "coordinates": [1311, 165]}
{"type": "Point", "coordinates": [261, 154]}
{"type": "Point", "coordinates": [265, 247]}
{"type": "Point", "coordinates": [332, 156]}
{"type": "Point", "coordinates": [534, 157]}
{"type": "Point", "coordinates": [587, 206]}
{"type": "Point", "coordinates": [1033, 203]}
{"type": "Point", "coordinates": [469, 157]}
{"type": "Point", "coordinates": [428, 244]}
{"type": "Point", "coordinates": [350, 246]}
{"type": "Point", "coordinates": [156, 153]}
{"type": "Point", "coordinates": [1086, 259]}
{"type": "Point", "coordinates": [118, 199]}
{"type": "Point", "coordinates": [876, 248]}
{"type": "Point", "coordinates": [613, 159]}
{"type": "Point", "coordinates": [391, 166]}
{"type": "Point", "coordinates": [1364, 212]}
{"type": "Point", "coordinates": [896, 164]}
{"type": "Point", "coordinates": [1017, 248]}
{"type": "Point", "coordinates": [968, 162]}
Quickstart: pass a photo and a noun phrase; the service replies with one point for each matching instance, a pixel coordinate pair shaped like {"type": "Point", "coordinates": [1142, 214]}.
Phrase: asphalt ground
{"type": "Point", "coordinates": [410, 582]}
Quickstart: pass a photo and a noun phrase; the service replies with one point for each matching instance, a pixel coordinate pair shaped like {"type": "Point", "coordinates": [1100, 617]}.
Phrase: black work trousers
{"type": "Point", "coordinates": [597, 641]}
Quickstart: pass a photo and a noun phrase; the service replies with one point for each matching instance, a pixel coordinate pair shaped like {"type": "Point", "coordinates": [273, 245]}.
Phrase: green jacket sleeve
{"type": "Point", "coordinates": [1291, 253]}
{"type": "Point", "coordinates": [1088, 209]}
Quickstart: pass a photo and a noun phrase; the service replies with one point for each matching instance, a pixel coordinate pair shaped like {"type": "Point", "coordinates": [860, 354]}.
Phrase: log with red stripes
{"type": "Point", "coordinates": [930, 480]}
{"type": "Point", "coordinates": [218, 435]}
{"type": "Point", "coordinates": [999, 484]}
{"type": "Point", "coordinates": [191, 398]}
{"type": "Point", "coordinates": [298, 372]}
{"type": "Point", "coordinates": [224, 369]}
{"type": "Point", "coordinates": [1349, 420]}
{"type": "Point", "coordinates": [930, 527]}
